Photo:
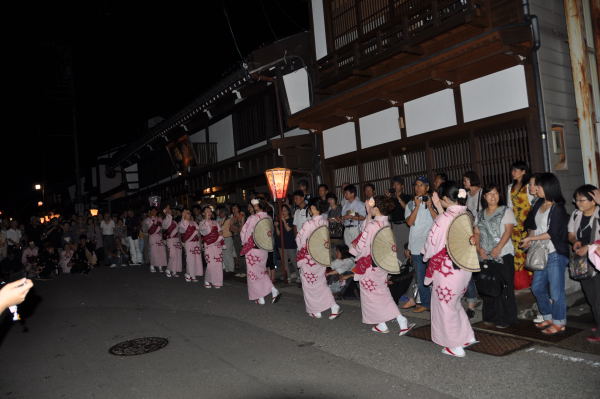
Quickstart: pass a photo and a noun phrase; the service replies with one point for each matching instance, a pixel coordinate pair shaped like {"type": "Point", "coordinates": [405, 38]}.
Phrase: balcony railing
{"type": "Point", "coordinates": [206, 153]}
{"type": "Point", "coordinates": [362, 31]}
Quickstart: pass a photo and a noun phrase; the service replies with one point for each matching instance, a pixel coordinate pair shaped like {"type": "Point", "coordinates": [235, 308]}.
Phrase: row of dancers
{"type": "Point", "coordinates": [450, 326]}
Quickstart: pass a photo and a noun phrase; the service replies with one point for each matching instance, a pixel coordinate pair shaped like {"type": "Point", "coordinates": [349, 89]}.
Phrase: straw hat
{"type": "Point", "coordinates": [318, 245]}
{"type": "Point", "coordinates": [384, 251]}
{"type": "Point", "coordinates": [458, 244]}
{"type": "Point", "coordinates": [263, 234]}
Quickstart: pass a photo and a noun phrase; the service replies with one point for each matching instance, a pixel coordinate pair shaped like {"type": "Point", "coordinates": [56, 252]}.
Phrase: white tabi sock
{"type": "Point", "coordinates": [261, 301]}
{"type": "Point", "coordinates": [274, 292]}
{"type": "Point", "coordinates": [402, 321]}
{"type": "Point", "coordinates": [335, 308]}
{"type": "Point", "coordinates": [382, 326]}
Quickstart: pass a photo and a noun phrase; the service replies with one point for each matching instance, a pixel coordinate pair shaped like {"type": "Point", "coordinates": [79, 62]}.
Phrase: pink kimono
{"type": "Point", "coordinates": [376, 302]}
{"type": "Point", "coordinates": [259, 282]}
{"type": "Point", "coordinates": [317, 295]}
{"type": "Point", "coordinates": [158, 254]}
{"type": "Point", "coordinates": [190, 236]}
{"type": "Point", "coordinates": [171, 232]}
{"type": "Point", "coordinates": [593, 256]}
{"type": "Point", "coordinates": [450, 325]}
{"type": "Point", "coordinates": [213, 252]}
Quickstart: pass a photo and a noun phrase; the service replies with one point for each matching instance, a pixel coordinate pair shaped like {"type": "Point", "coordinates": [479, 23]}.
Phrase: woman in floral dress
{"type": "Point", "coordinates": [519, 200]}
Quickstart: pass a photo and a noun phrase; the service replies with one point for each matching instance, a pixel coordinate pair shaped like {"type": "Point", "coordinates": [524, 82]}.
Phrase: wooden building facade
{"type": "Point", "coordinates": [413, 87]}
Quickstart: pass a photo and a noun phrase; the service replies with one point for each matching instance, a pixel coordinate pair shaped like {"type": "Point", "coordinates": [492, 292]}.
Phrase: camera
{"type": "Point", "coordinates": [425, 198]}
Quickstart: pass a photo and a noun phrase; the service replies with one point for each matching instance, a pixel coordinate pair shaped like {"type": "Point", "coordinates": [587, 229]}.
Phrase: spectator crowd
{"type": "Point", "coordinates": [508, 223]}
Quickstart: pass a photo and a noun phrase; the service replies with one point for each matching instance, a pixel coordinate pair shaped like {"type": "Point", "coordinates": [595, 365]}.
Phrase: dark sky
{"type": "Point", "coordinates": [131, 61]}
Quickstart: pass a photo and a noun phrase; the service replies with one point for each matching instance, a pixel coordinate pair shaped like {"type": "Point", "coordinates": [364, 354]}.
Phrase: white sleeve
{"type": "Point", "coordinates": [509, 218]}
{"type": "Point", "coordinates": [509, 203]}
{"type": "Point", "coordinates": [571, 227]}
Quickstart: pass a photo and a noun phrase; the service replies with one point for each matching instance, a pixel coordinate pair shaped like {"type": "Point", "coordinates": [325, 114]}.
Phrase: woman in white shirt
{"type": "Point", "coordinates": [493, 231]}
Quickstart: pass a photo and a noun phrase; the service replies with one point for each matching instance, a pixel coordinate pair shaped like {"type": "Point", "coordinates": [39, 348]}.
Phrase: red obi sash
{"type": "Point", "coordinates": [168, 232]}
{"type": "Point", "coordinates": [191, 229]}
{"type": "Point", "coordinates": [248, 246]}
{"type": "Point", "coordinates": [362, 264]}
{"type": "Point", "coordinates": [440, 262]}
{"type": "Point", "coordinates": [211, 237]}
{"type": "Point", "coordinates": [356, 240]}
{"type": "Point", "coordinates": [301, 254]}
{"type": "Point", "coordinates": [154, 228]}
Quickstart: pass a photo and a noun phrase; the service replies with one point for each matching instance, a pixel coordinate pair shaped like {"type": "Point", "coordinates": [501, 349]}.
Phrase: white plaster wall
{"type": "Point", "coordinates": [339, 140]}
{"type": "Point", "coordinates": [432, 112]}
{"type": "Point", "coordinates": [380, 127]}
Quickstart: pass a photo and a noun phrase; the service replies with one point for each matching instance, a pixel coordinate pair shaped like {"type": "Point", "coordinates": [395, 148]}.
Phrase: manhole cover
{"type": "Point", "coordinates": [138, 346]}
{"type": "Point", "coordinates": [490, 344]}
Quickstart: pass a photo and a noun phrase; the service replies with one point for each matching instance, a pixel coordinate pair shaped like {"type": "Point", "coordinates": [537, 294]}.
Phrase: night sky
{"type": "Point", "coordinates": [131, 61]}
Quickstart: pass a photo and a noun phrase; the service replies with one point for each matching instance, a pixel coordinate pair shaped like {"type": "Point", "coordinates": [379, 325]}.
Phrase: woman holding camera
{"type": "Point", "coordinates": [493, 231]}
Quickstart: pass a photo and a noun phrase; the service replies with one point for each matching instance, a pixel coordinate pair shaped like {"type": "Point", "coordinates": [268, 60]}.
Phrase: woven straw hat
{"type": "Point", "coordinates": [458, 244]}
{"type": "Point", "coordinates": [384, 251]}
{"type": "Point", "coordinates": [318, 245]}
{"type": "Point", "coordinates": [263, 234]}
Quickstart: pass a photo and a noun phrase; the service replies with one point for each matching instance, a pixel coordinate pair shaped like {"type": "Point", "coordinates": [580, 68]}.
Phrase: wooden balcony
{"type": "Point", "coordinates": [367, 37]}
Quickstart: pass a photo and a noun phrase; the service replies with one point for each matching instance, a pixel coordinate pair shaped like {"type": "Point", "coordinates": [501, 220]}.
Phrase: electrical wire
{"type": "Point", "coordinates": [262, 6]}
{"type": "Point", "coordinates": [232, 34]}
{"type": "Point", "coordinates": [288, 15]}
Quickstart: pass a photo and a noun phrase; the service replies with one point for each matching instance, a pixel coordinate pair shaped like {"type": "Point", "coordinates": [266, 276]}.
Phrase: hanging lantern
{"type": "Point", "coordinates": [278, 179]}
{"type": "Point", "coordinates": [94, 212]}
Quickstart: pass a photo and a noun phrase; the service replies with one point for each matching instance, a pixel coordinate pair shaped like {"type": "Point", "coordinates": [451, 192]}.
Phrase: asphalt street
{"type": "Point", "coordinates": [223, 346]}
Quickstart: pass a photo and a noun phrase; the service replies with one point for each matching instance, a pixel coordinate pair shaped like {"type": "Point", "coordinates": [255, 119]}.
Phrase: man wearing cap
{"type": "Point", "coordinates": [353, 213]}
{"type": "Point", "coordinates": [419, 216]}
{"type": "Point", "coordinates": [397, 219]}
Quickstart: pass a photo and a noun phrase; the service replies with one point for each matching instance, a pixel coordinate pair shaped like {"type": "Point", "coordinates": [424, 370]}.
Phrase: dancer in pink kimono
{"type": "Point", "coordinates": [450, 325]}
{"type": "Point", "coordinates": [259, 282]}
{"type": "Point", "coordinates": [376, 302]}
{"type": "Point", "coordinates": [158, 253]}
{"type": "Point", "coordinates": [190, 236]}
{"type": "Point", "coordinates": [317, 295]}
{"type": "Point", "coordinates": [171, 234]}
{"type": "Point", "coordinates": [213, 249]}
{"type": "Point", "coordinates": [594, 254]}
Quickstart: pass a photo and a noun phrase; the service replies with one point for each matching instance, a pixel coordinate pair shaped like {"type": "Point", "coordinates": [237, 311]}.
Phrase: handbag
{"type": "Point", "coordinates": [537, 256]}
{"type": "Point", "coordinates": [580, 268]}
{"type": "Point", "coordinates": [488, 281]}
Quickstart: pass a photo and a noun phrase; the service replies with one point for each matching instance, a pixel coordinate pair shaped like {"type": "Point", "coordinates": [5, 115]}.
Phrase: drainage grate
{"type": "Point", "coordinates": [490, 344]}
{"type": "Point", "coordinates": [138, 346]}
{"type": "Point", "coordinates": [526, 329]}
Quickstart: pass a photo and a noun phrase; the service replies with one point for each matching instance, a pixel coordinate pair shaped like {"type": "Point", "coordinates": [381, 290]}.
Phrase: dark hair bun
{"type": "Point", "coordinates": [385, 204]}
{"type": "Point", "coordinates": [321, 205]}
{"type": "Point", "coordinates": [450, 190]}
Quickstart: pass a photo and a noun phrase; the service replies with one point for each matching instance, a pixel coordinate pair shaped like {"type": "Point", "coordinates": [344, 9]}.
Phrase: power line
{"type": "Point", "coordinates": [262, 6]}
{"type": "Point", "coordinates": [231, 31]}
{"type": "Point", "coordinates": [288, 15]}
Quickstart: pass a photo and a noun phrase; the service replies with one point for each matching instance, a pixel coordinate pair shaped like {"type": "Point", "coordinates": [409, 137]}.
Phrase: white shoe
{"type": "Point", "coordinates": [315, 315]}
{"type": "Point", "coordinates": [335, 312]}
{"type": "Point", "coordinates": [456, 352]}
{"type": "Point", "coordinates": [261, 301]}
{"type": "Point", "coordinates": [404, 331]}
{"type": "Point", "coordinates": [188, 278]}
{"type": "Point", "coordinates": [152, 269]}
{"type": "Point", "coordinates": [168, 273]}
{"type": "Point", "coordinates": [470, 343]}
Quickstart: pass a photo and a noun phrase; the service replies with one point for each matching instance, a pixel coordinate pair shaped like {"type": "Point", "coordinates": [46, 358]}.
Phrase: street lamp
{"type": "Point", "coordinates": [279, 179]}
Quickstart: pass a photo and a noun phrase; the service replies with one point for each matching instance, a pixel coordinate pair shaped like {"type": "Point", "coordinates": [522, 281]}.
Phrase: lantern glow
{"type": "Point", "coordinates": [94, 212]}
{"type": "Point", "coordinates": [278, 179]}
{"type": "Point", "coordinates": [40, 203]}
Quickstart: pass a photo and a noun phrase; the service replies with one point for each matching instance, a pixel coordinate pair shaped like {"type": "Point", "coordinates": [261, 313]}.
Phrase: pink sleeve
{"type": "Point", "coordinates": [593, 255]}
{"type": "Point", "coordinates": [167, 221]}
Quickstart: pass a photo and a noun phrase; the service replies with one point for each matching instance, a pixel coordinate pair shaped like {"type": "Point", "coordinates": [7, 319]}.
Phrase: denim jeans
{"type": "Point", "coordinates": [424, 291]}
{"type": "Point", "coordinates": [548, 287]}
{"type": "Point", "coordinates": [471, 293]}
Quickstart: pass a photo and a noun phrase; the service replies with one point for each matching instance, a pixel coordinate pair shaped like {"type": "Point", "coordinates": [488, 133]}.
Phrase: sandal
{"type": "Point", "coordinates": [553, 329]}
{"type": "Point", "coordinates": [543, 324]}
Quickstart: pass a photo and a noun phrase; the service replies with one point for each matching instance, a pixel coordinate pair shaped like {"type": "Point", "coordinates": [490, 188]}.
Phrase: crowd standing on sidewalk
{"type": "Point", "coordinates": [523, 235]}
